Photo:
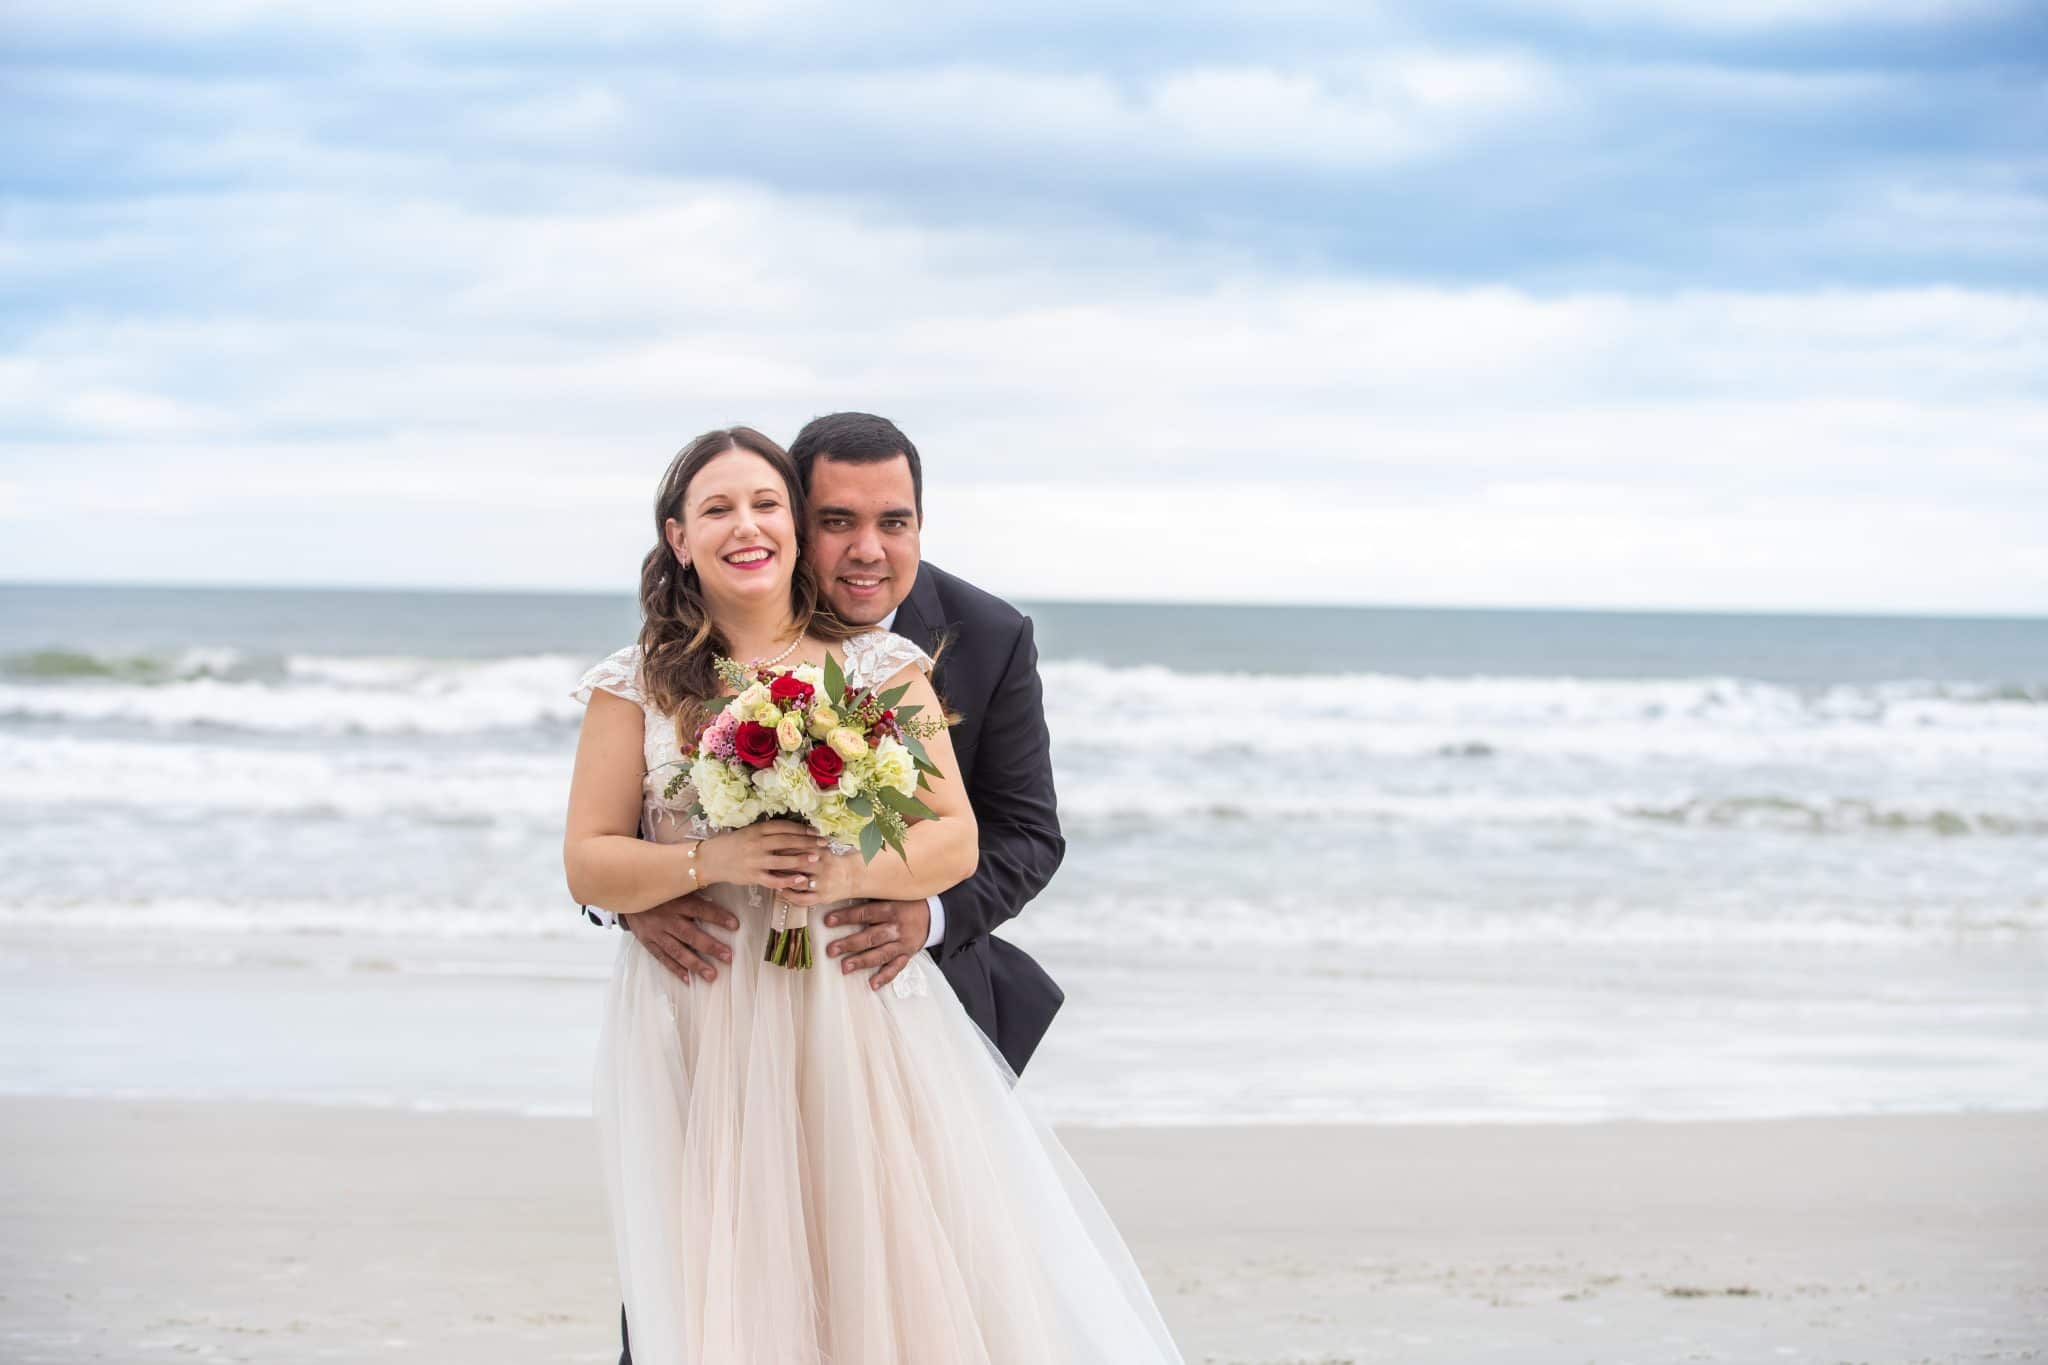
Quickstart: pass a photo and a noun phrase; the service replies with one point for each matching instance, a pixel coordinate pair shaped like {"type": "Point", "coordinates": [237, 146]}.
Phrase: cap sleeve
{"type": "Point", "coordinates": [879, 655]}
{"type": "Point", "coordinates": [618, 674]}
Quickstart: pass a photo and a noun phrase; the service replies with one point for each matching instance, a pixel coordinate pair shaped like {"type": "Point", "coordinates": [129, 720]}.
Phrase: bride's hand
{"type": "Point", "coordinates": [831, 878]}
{"type": "Point", "coordinates": [779, 854]}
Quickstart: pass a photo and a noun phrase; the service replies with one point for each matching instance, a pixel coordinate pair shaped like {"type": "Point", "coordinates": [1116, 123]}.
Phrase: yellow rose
{"type": "Point", "coordinates": [789, 732]}
{"type": "Point", "coordinates": [848, 744]}
{"type": "Point", "coordinates": [767, 712]}
{"type": "Point", "coordinates": [823, 719]}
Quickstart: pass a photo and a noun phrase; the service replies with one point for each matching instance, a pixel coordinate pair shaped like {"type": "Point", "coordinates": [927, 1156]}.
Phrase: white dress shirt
{"type": "Point", "coordinates": [931, 940]}
{"type": "Point", "coordinates": [938, 933]}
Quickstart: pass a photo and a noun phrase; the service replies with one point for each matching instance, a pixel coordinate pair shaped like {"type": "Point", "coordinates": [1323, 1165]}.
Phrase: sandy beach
{"type": "Point", "coordinates": [144, 1231]}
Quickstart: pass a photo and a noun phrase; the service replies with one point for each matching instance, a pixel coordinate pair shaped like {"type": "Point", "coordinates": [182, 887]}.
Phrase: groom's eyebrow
{"type": "Point", "coordinates": [834, 509]}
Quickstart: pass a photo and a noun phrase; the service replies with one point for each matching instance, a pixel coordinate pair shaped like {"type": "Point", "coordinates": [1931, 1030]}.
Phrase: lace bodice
{"type": "Point", "coordinates": [872, 657]}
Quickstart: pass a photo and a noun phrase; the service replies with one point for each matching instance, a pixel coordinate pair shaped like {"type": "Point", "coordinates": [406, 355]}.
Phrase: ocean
{"type": "Point", "coordinates": [1325, 864]}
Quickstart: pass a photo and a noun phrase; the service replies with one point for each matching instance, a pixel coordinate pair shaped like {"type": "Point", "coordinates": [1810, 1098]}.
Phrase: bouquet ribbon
{"type": "Point", "coordinates": [789, 939]}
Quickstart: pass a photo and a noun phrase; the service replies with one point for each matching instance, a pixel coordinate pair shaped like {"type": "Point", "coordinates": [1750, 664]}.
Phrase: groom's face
{"type": "Point", "coordinates": [864, 531]}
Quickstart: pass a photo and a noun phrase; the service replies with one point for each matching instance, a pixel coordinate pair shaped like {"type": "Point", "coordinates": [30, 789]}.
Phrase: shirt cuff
{"type": "Point", "coordinates": [938, 933]}
{"type": "Point", "coordinates": [603, 919]}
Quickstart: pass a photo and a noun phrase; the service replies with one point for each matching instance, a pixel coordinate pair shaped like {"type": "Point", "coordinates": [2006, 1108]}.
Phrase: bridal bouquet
{"type": "Point", "coordinates": [802, 742]}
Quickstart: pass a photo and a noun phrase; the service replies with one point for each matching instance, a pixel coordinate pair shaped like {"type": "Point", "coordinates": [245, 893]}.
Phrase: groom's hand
{"type": "Point", "coordinates": [896, 930]}
{"type": "Point", "coordinates": [674, 932]}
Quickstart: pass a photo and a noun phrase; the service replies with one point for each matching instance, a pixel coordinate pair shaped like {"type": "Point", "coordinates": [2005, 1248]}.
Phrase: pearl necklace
{"type": "Point", "coordinates": [770, 663]}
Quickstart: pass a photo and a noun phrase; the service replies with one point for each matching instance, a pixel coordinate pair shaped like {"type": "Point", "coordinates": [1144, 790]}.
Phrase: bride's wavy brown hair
{"type": "Point", "coordinates": [679, 642]}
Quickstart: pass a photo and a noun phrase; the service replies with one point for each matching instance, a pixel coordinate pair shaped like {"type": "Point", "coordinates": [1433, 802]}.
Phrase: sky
{"type": "Point", "coordinates": [1696, 304]}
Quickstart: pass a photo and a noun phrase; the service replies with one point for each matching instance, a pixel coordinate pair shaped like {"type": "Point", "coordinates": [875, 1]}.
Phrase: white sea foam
{"type": "Point", "coordinates": [322, 696]}
{"type": "Point", "coordinates": [1140, 924]}
{"type": "Point", "coordinates": [188, 778]}
{"type": "Point", "coordinates": [1092, 707]}
{"type": "Point", "coordinates": [1712, 720]}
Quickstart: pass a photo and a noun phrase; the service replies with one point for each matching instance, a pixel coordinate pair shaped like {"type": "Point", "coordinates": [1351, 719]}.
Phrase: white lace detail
{"type": "Point", "coordinates": [911, 980]}
{"type": "Point", "coordinates": [880, 655]}
{"type": "Point", "coordinates": [618, 674]}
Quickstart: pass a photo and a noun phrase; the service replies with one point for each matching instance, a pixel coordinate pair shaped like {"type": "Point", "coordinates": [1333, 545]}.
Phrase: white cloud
{"type": "Point", "coordinates": [1363, 112]}
{"type": "Point", "coordinates": [1516, 544]}
{"type": "Point", "coordinates": [614, 19]}
{"type": "Point", "coordinates": [414, 325]}
{"type": "Point", "coordinates": [504, 389]}
{"type": "Point", "coordinates": [1761, 14]}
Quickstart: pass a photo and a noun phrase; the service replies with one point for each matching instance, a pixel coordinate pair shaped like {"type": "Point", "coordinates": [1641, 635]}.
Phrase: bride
{"type": "Point", "coordinates": [801, 1170]}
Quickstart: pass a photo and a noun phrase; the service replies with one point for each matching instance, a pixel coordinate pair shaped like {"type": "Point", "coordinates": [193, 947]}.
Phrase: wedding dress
{"type": "Point", "coordinates": [803, 1170]}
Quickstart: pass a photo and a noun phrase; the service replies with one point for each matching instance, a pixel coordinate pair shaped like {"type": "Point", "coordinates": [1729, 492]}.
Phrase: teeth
{"type": "Point", "coordinates": [747, 557]}
{"type": "Point", "coordinates": [863, 582]}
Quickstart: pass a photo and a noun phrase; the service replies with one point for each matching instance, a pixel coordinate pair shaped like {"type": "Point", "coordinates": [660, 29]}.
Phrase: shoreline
{"type": "Point", "coordinates": [146, 1230]}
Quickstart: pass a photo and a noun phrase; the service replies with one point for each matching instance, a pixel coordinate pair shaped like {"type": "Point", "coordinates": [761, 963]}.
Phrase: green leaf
{"type": "Point", "coordinates": [835, 682]}
{"type": "Point", "coordinates": [893, 695]}
{"type": "Point", "coordinates": [918, 752]}
{"type": "Point", "coordinates": [870, 841]}
{"type": "Point", "coordinates": [909, 807]}
{"type": "Point", "coordinates": [926, 768]}
{"type": "Point", "coordinates": [718, 704]}
{"type": "Point", "coordinates": [895, 841]}
{"type": "Point", "coordinates": [904, 713]}
{"type": "Point", "coordinates": [861, 805]}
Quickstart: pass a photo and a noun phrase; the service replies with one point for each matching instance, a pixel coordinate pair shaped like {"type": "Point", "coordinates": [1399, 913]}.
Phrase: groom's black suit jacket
{"type": "Point", "coordinates": [988, 674]}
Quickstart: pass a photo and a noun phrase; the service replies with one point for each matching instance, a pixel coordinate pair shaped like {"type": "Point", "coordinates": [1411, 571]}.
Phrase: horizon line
{"type": "Point", "coordinates": [1559, 608]}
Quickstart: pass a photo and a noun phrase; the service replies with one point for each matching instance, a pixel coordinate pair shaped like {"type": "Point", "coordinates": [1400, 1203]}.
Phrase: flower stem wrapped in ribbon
{"type": "Point", "coordinates": [802, 742]}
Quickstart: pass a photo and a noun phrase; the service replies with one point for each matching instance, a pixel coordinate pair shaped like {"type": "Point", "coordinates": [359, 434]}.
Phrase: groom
{"type": "Point", "coordinates": [865, 487]}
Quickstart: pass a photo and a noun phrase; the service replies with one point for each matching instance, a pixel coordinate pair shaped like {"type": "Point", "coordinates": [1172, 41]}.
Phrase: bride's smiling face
{"type": "Point", "coordinates": [737, 530]}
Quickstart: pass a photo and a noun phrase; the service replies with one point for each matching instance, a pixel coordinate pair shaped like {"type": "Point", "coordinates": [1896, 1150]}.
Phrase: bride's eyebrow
{"type": "Point", "coordinates": [712, 497]}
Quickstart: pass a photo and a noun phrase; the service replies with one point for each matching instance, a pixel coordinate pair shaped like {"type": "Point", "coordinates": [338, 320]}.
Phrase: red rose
{"type": "Point", "coordinates": [755, 744]}
{"type": "Point", "coordinates": [825, 765]}
{"type": "Point", "coordinates": [790, 688]}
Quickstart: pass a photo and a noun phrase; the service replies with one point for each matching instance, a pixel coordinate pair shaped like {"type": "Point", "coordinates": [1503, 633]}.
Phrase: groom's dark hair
{"type": "Point", "coordinates": [857, 438]}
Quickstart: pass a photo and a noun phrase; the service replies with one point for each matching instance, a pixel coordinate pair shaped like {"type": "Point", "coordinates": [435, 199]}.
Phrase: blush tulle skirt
{"type": "Point", "coordinates": [803, 1169]}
